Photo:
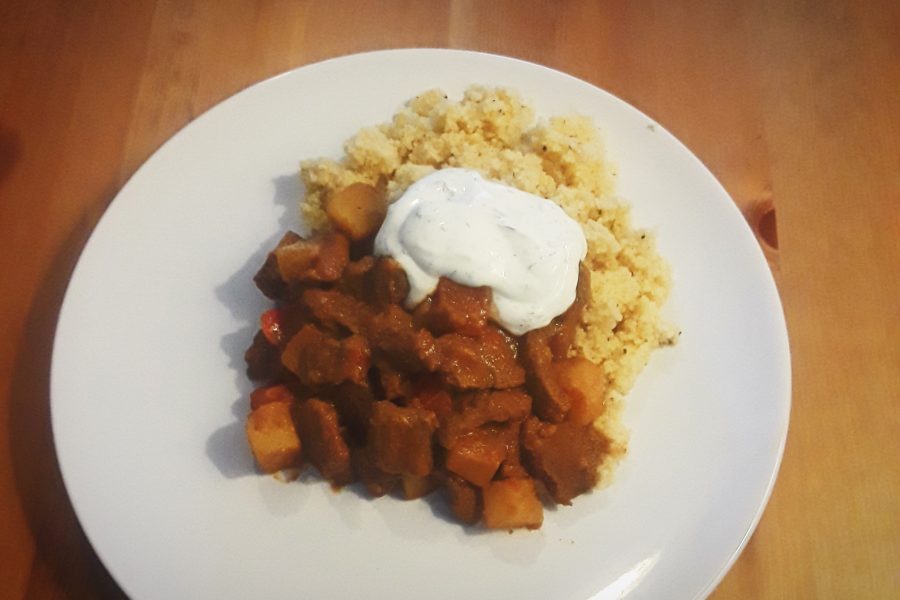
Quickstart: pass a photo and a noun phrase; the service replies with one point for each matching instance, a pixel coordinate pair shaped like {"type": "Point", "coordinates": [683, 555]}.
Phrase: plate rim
{"type": "Point", "coordinates": [772, 296]}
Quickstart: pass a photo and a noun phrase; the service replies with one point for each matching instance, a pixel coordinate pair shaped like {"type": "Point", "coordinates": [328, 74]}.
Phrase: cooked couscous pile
{"type": "Point", "coordinates": [562, 159]}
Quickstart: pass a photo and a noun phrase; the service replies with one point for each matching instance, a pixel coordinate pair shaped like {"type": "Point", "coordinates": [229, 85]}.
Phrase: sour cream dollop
{"type": "Point", "coordinates": [453, 223]}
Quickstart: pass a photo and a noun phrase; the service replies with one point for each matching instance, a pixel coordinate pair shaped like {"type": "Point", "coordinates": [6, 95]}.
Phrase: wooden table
{"type": "Point", "coordinates": [795, 106]}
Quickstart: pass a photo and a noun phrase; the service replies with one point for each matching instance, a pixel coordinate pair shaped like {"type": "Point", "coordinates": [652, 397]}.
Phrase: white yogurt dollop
{"type": "Point", "coordinates": [455, 224]}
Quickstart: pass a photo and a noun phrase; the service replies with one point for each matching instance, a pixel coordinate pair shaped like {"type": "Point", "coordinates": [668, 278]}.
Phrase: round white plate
{"type": "Point", "coordinates": [149, 394]}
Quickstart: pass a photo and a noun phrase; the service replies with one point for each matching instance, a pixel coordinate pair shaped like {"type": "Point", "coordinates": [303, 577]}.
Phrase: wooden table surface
{"type": "Point", "coordinates": [795, 106]}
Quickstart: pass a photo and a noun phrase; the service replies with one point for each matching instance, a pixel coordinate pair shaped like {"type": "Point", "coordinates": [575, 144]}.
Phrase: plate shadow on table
{"type": "Point", "coordinates": [63, 553]}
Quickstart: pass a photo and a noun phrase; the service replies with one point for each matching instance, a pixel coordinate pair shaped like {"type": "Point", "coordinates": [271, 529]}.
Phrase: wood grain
{"type": "Point", "coordinates": [794, 105]}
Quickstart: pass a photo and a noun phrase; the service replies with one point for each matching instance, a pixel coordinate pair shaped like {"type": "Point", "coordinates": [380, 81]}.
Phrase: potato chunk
{"type": "Point", "coordinates": [322, 258]}
{"type": "Point", "coordinates": [357, 210]}
{"type": "Point", "coordinates": [512, 503]}
{"type": "Point", "coordinates": [272, 437]}
{"type": "Point", "coordinates": [271, 393]}
{"type": "Point", "coordinates": [477, 457]}
{"type": "Point", "coordinates": [268, 278]}
{"type": "Point", "coordinates": [585, 383]}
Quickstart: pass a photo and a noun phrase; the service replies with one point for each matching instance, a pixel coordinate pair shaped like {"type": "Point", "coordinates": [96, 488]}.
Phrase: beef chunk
{"type": "Point", "coordinates": [323, 444]}
{"type": "Point", "coordinates": [294, 315]}
{"type": "Point", "coordinates": [377, 482]}
{"type": "Point", "coordinates": [512, 503]}
{"type": "Point", "coordinates": [354, 406]}
{"type": "Point", "coordinates": [459, 309]}
{"type": "Point", "coordinates": [511, 467]}
{"type": "Point", "coordinates": [400, 439]}
{"type": "Point", "coordinates": [478, 408]}
{"type": "Point", "coordinates": [564, 456]}
{"type": "Point", "coordinates": [263, 359]}
{"type": "Point", "coordinates": [389, 382]}
{"type": "Point", "coordinates": [389, 283]}
{"type": "Point", "coordinates": [428, 393]}
{"type": "Point", "coordinates": [465, 499]}
{"type": "Point", "coordinates": [356, 278]}
{"type": "Point", "coordinates": [317, 358]}
{"type": "Point", "coordinates": [338, 311]}
{"type": "Point", "coordinates": [488, 361]}
{"type": "Point", "coordinates": [321, 258]}
{"type": "Point", "coordinates": [566, 325]}
{"type": "Point", "coordinates": [551, 402]}
{"type": "Point", "coordinates": [268, 278]}
{"type": "Point", "coordinates": [392, 333]}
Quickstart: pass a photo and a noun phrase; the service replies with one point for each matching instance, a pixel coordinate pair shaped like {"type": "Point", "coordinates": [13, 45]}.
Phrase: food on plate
{"type": "Point", "coordinates": [466, 316]}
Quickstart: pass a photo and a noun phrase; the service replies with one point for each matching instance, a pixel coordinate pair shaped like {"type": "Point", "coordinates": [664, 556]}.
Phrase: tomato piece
{"type": "Point", "coordinates": [270, 324]}
{"type": "Point", "coordinates": [270, 394]}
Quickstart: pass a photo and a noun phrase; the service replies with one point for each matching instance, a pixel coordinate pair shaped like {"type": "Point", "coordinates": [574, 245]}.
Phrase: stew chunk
{"type": "Point", "coordinates": [457, 308]}
{"type": "Point", "coordinates": [317, 358]}
{"type": "Point", "coordinates": [512, 503]}
{"type": "Point", "coordinates": [318, 259]}
{"type": "Point", "coordinates": [272, 437]}
{"type": "Point", "coordinates": [356, 210]}
{"type": "Point", "coordinates": [400, 439]}
{"type": "Point", "coordinates": [486, 361]}
{"type": "Point", "coordinates": [564, 456]}
{"type": "Point", "coordinates": [320, 431]}
{"type": "Point", "coordinates": [409, 399]}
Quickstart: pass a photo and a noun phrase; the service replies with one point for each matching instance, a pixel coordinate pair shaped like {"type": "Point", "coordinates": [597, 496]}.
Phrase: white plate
{"type": "Point", "coordinates": [149, 396]}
